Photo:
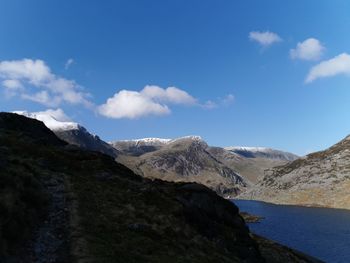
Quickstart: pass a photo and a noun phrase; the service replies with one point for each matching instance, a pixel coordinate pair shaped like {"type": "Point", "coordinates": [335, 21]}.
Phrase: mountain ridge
{"type": "Point", "coordinates": [173, 160]}
{"type": "Point", "coordinates": [318, 179]}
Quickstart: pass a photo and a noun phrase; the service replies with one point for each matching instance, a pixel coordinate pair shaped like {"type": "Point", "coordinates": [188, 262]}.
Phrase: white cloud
{"type": "Point", "coordinates": [265, 39]}
{"type": "Point", "coordinates": [338, 65]}
{"type": "Point", "coordinates": [58, 114]}
{"type": "Point", "coordinates": [33, 80]}
{"type": "Point", "coordinates": [12, 84]}
{"type": "Point", "coordinates": [27, 74]}
{"type": "Point", "coordinates": [69, 62]}
{"type": "Point", "coordinates": [228, 99]}
{"type": "Point", "coordinates": [55, 120]}
{"type": "Point", "coordinates": [131, 105]}
{"type": "Point", "coordinates": [209, 104]}
{"type": "Point", "coordinates": [42, 97]}
{"type": "Point", "coordinates": [34, 71]}
{"type": "Point", "coordinates": [12, 87]}
{"type": "Point", "coordinates": [310, 49]}
{"type": "Point", "coordinates": [152, 100]}
{"type": "Point", "coordinates": [171, 94]}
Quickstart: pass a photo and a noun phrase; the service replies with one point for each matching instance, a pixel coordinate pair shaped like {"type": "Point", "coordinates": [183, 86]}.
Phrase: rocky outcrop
{"type": "Point", "coordinates": [82, 138]}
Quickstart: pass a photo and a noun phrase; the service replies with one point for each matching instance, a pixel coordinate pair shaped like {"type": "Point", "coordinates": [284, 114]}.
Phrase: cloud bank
{"type": "Point", "coordinates": [339, 65]}
{"type": "Point", "coordinates": [33, 80]}
{"type": "Point", "coordinates": [265, 39]}
{"type": "Point", "coordinates": [310, 49]}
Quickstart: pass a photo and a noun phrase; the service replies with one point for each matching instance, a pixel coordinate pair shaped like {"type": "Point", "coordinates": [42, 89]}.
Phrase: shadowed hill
{"type": "Point", "coordinates": [60, 203]}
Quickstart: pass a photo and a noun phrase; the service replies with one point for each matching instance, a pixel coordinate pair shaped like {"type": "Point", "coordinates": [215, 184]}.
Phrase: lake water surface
{"type": "Point", "coordinates": [320, 232]}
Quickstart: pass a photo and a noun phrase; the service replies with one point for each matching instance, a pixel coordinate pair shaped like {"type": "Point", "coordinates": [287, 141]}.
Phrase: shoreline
{"type": "Point", "coordinates": [287, 204]}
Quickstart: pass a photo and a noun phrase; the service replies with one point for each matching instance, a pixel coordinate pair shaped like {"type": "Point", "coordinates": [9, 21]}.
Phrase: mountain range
{"type": "Point", "coordinates": [192, 159]}
{"type": "Point", "coordinates": [184, 159]}
{"type": "Point", "coordinates": [318, 179]}
{"type": "Point", "coordinates": [64, 203]}
{"type": "Point", "coordinates": [228, 171]}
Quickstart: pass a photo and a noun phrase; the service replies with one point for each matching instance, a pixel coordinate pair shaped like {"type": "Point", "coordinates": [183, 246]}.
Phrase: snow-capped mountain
{"type": "Point", "coordinates": [69, 131]}
{"type": "Point", "coordinates": [151, 155]}
{"type": "Point", "coordinates": [184, 159]}
{"type": "Point", "coordinates": [55, 120]}
{"type": "Point", "coordinates": [262, 152]}
{"type": "Point", "coordinates": [137, 147]}
{"type": "Point", "coordinates": [149, 141]}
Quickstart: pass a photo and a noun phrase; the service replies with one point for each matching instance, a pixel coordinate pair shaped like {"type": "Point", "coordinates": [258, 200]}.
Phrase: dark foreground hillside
{"type": "Point", "coordinates": [62, 204]}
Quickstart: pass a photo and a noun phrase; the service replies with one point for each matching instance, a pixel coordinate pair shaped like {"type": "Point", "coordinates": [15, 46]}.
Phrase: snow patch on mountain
{"type": "Point", "coordinates": [158, 141]}
{"type": "Point", "coordinates": [55, 120]}
{"type": "Point", "coordinates": [250, 149]}
{"type": "Point", "coordinates": [262, 152]}
{"type": "Point", "coordinates": [148, 140]}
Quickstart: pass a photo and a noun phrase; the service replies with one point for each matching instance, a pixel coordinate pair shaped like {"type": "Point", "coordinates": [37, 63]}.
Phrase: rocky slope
{"type": "Point", "coordinates": [186, 159]}
{"type": "Point", "coordinates": [319, 179]}
{"type": "Point", "coordinates": [60, 203]}
{"type": "Point", "coordinates": [71, 132]}
{"type": "Point", "coordinates": [191, 159]}
{"type": "Point", "coordinates": [251, 162]}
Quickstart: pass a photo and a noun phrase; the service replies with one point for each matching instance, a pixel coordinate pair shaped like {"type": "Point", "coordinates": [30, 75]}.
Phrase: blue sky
{"type": "Point", "coordinates": [79, 54]}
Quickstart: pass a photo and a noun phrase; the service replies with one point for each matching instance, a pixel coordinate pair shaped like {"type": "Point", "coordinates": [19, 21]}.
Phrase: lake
{"type": "Point", "coordinates": [320, 232]}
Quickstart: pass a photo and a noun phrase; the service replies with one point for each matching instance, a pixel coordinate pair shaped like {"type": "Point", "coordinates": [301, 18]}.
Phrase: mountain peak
{"type": "Point", "coordinates": [70, 132]}
{"type": "Point", "coordinates": [189, 137]}
{"type": "Point", "coordinates": [55, 120]}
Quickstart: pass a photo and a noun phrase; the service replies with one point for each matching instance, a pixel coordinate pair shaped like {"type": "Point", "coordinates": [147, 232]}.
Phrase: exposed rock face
{"type": "Point", "coordinates": [187, 159]}
{"type": "Point", "coordinates": [319, 179]}
{"type": "Point", "coordinates": [82, 138]}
